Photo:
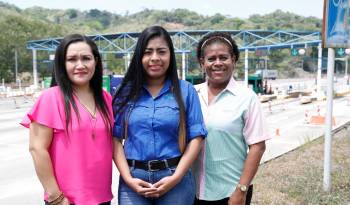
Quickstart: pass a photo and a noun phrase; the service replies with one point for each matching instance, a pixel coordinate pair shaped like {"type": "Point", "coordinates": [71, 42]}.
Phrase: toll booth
{"type": "Point", "coordinates": [256, 83]}
{"type": "Point", "coordinates": [106, 81]}
{"type": "Point", "coordinates": [47, 81]}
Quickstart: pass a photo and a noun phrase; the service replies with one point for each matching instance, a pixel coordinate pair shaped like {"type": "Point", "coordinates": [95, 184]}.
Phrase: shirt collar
{"type": "Point", "coordinates": [167, 86]}
{"type": "Point", "coordinates": [231, 87]}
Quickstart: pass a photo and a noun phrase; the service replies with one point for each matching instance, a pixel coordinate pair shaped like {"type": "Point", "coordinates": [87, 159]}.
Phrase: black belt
{"type": "Point", "coordinates": [154, 165]}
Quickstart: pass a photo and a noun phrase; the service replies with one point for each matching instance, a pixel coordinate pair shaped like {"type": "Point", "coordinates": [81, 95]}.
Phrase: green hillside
{"type": "Point", "coordinates": [21, 25]}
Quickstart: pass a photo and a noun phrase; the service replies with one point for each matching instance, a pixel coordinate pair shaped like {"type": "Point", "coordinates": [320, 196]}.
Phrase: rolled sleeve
{"type": "Point", "coordinates": [196, 131]}
{"type": "Point", "coordinates": [195, 123]}
{"type": "Point", "coordinates": [118, 127]}
{"type": "Point", "coordinates": [117, 131]}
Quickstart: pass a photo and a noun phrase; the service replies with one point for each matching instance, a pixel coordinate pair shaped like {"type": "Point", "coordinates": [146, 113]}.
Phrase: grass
{"type": "Point", "coordinates": [297, 177]}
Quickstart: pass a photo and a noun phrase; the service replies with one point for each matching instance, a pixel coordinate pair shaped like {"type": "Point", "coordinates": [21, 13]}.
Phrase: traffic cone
{"type": "Point", "coordinates": [306, 119]}
{"type": "Point", "coordinates": [277, 132]}
{"type": "Point", "coordinates": [16, 105]}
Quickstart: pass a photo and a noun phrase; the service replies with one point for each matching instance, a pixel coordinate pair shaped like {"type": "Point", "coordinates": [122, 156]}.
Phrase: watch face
{"type": "Point", "coordinates": [243, 187]}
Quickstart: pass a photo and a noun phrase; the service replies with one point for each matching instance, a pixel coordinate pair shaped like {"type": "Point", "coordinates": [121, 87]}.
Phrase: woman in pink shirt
{"type": "Point", "coordinates": [70, 128]}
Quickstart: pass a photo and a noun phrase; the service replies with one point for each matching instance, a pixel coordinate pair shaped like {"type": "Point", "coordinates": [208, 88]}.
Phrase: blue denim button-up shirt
{"type": "Point", "coordinates": [153, 123]}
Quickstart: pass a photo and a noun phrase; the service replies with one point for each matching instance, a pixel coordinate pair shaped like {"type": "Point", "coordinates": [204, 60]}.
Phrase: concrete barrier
{"type": "Point", "coordinates": [342, 93]}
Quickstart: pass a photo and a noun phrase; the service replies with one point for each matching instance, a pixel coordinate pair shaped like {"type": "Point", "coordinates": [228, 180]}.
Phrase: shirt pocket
{"type": "Point", "coordinates": [229, 120]}
{"type": "Point", "coordinates": [170, 108]}
{"type": "Point", "coordinates": [167, 116]}
{"type": "Point", "coordinates": [140, 113]}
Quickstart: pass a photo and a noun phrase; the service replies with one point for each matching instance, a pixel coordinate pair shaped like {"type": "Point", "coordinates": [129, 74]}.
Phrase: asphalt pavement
{"type": "Point", "coordinates": [19, 184]}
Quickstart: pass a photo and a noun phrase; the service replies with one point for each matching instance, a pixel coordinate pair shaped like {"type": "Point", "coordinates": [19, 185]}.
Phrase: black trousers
{"type": "Point", "coordinates": [105, 203]}
{"type": "Point", "coordinates": [225, 200]}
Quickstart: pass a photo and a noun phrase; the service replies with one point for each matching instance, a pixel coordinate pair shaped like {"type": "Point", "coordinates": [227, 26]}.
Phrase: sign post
{"type": "Point", "coordinates": [335, 34]}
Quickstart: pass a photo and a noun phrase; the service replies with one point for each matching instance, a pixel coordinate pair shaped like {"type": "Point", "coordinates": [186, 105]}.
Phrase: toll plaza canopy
{"type": "Point", "coordinates": [123, 44]}
{"type": "Point", "coordinates": [185, 41]}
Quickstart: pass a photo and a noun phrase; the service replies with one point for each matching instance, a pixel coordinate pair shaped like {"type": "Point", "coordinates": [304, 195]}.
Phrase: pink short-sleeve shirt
{"type": "Point", "coordinates": [82, 163]}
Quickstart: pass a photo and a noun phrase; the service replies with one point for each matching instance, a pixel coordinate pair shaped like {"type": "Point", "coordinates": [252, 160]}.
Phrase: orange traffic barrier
{"type": "Point", "coordinates": [320, 120]}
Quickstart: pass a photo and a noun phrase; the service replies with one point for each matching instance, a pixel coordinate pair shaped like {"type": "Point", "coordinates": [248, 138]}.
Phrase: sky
{"type": "Point", "coordinates": [233, 8]}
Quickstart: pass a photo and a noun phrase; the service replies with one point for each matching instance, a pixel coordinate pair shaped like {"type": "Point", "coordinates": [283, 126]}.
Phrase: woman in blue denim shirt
{"type": "Point", "coordinates": [160, 120]}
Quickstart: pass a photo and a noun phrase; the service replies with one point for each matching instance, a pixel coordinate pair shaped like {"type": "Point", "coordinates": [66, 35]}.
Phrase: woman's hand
{"type": "Point", "coordinates": [237, 198]}
{"type": "Point", "coordinates": [163, 186]}
{"type": "Point", "coordinates": [64, 202]}
{"type": "Point", "coordinates": [141, 187]}
{"type": "Point", "coordinates": [167, 183]}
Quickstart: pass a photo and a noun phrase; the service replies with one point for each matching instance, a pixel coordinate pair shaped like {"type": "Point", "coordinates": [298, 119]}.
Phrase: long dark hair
{"type": "Point", "coordinates": [135, 77]}
{"type": "Point", "coordinates": [60, 78]}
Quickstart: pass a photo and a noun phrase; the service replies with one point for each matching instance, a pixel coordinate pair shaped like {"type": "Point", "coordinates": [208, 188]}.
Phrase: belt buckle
{"type": "Point", "coordinates": [149, 165]}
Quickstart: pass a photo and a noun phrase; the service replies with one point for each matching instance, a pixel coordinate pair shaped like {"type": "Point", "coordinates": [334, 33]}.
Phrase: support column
{"type": "Point", "coordinates": [183, 66]}
{"type": "Point", "coordinates": [346, 67]}
{"type": "Point", "coordinates": [35, 70]}
{"type": "Point", "coordinates": [246, 68]}
{"type": "Point", "coordinates": [105, 63]}
{"type": "Point", "coordinates": [319, 73]}
{"type": "Point", "coordinates": [16, 66]}
{"type": "Point", "coordinates": [127, 61]}
{"type": "Point", "coordinates": [328, 123]}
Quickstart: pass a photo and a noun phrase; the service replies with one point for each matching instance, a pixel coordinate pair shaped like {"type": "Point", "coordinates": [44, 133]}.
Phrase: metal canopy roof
{"type": "Point", "coordinates": [185, 41]}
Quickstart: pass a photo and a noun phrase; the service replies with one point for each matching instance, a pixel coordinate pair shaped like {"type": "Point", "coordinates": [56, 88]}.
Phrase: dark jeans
{"type": "Point", "coordinates": [225, 200]}
{"type": "Point", "coordinates": [105, 203]}
{"type": "Point", "coordinates": [183, 193]}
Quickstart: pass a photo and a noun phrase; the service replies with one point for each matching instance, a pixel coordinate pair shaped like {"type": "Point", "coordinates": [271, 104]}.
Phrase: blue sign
{"type": "Point", "coordinates": [336, 30]}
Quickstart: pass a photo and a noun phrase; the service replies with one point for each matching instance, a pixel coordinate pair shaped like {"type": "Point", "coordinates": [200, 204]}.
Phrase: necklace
{"type": "Point", "coordinates": [92, 117]}
{"type": "Point", "coordinates": [93, 121]}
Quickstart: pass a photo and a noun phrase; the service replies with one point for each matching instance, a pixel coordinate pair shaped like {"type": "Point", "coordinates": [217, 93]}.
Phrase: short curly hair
{"type": "Point", "coordinates": [215, 37]}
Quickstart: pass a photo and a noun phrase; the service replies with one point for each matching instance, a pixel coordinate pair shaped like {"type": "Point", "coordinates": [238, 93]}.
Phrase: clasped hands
{"type": "Point", "coordinates": [149, 190]}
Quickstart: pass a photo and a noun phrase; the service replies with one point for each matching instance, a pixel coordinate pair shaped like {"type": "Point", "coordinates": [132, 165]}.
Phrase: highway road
{"type": "Point", "coordinates": [289, 126]}
{"type": "Point", "coordinates": [19, 184]}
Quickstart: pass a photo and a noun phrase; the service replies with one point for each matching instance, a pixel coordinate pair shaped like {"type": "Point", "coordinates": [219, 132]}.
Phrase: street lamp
{"type": "Point", "coordinates": [301, 52]}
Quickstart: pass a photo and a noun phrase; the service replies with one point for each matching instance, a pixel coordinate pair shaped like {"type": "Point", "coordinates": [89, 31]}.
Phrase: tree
{"type": "Point", "coordinates": [15, 32]}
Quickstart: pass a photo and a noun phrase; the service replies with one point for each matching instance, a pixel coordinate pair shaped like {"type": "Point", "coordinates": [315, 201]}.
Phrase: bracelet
{"type": "Point", "coordinates": [58, 200]}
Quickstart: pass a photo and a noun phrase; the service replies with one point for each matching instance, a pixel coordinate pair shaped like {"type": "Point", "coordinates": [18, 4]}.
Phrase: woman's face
{"type": "Point", "coordinates": [80, 63]}
{"type": "Point", "coordinates": [218, 63]}
{"type": "Point", "coordinates": [156, 58]}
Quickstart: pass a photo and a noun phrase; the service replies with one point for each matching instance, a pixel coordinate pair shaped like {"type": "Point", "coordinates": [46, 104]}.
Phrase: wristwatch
{"type": "Point", "coordinates": [242, 187]}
